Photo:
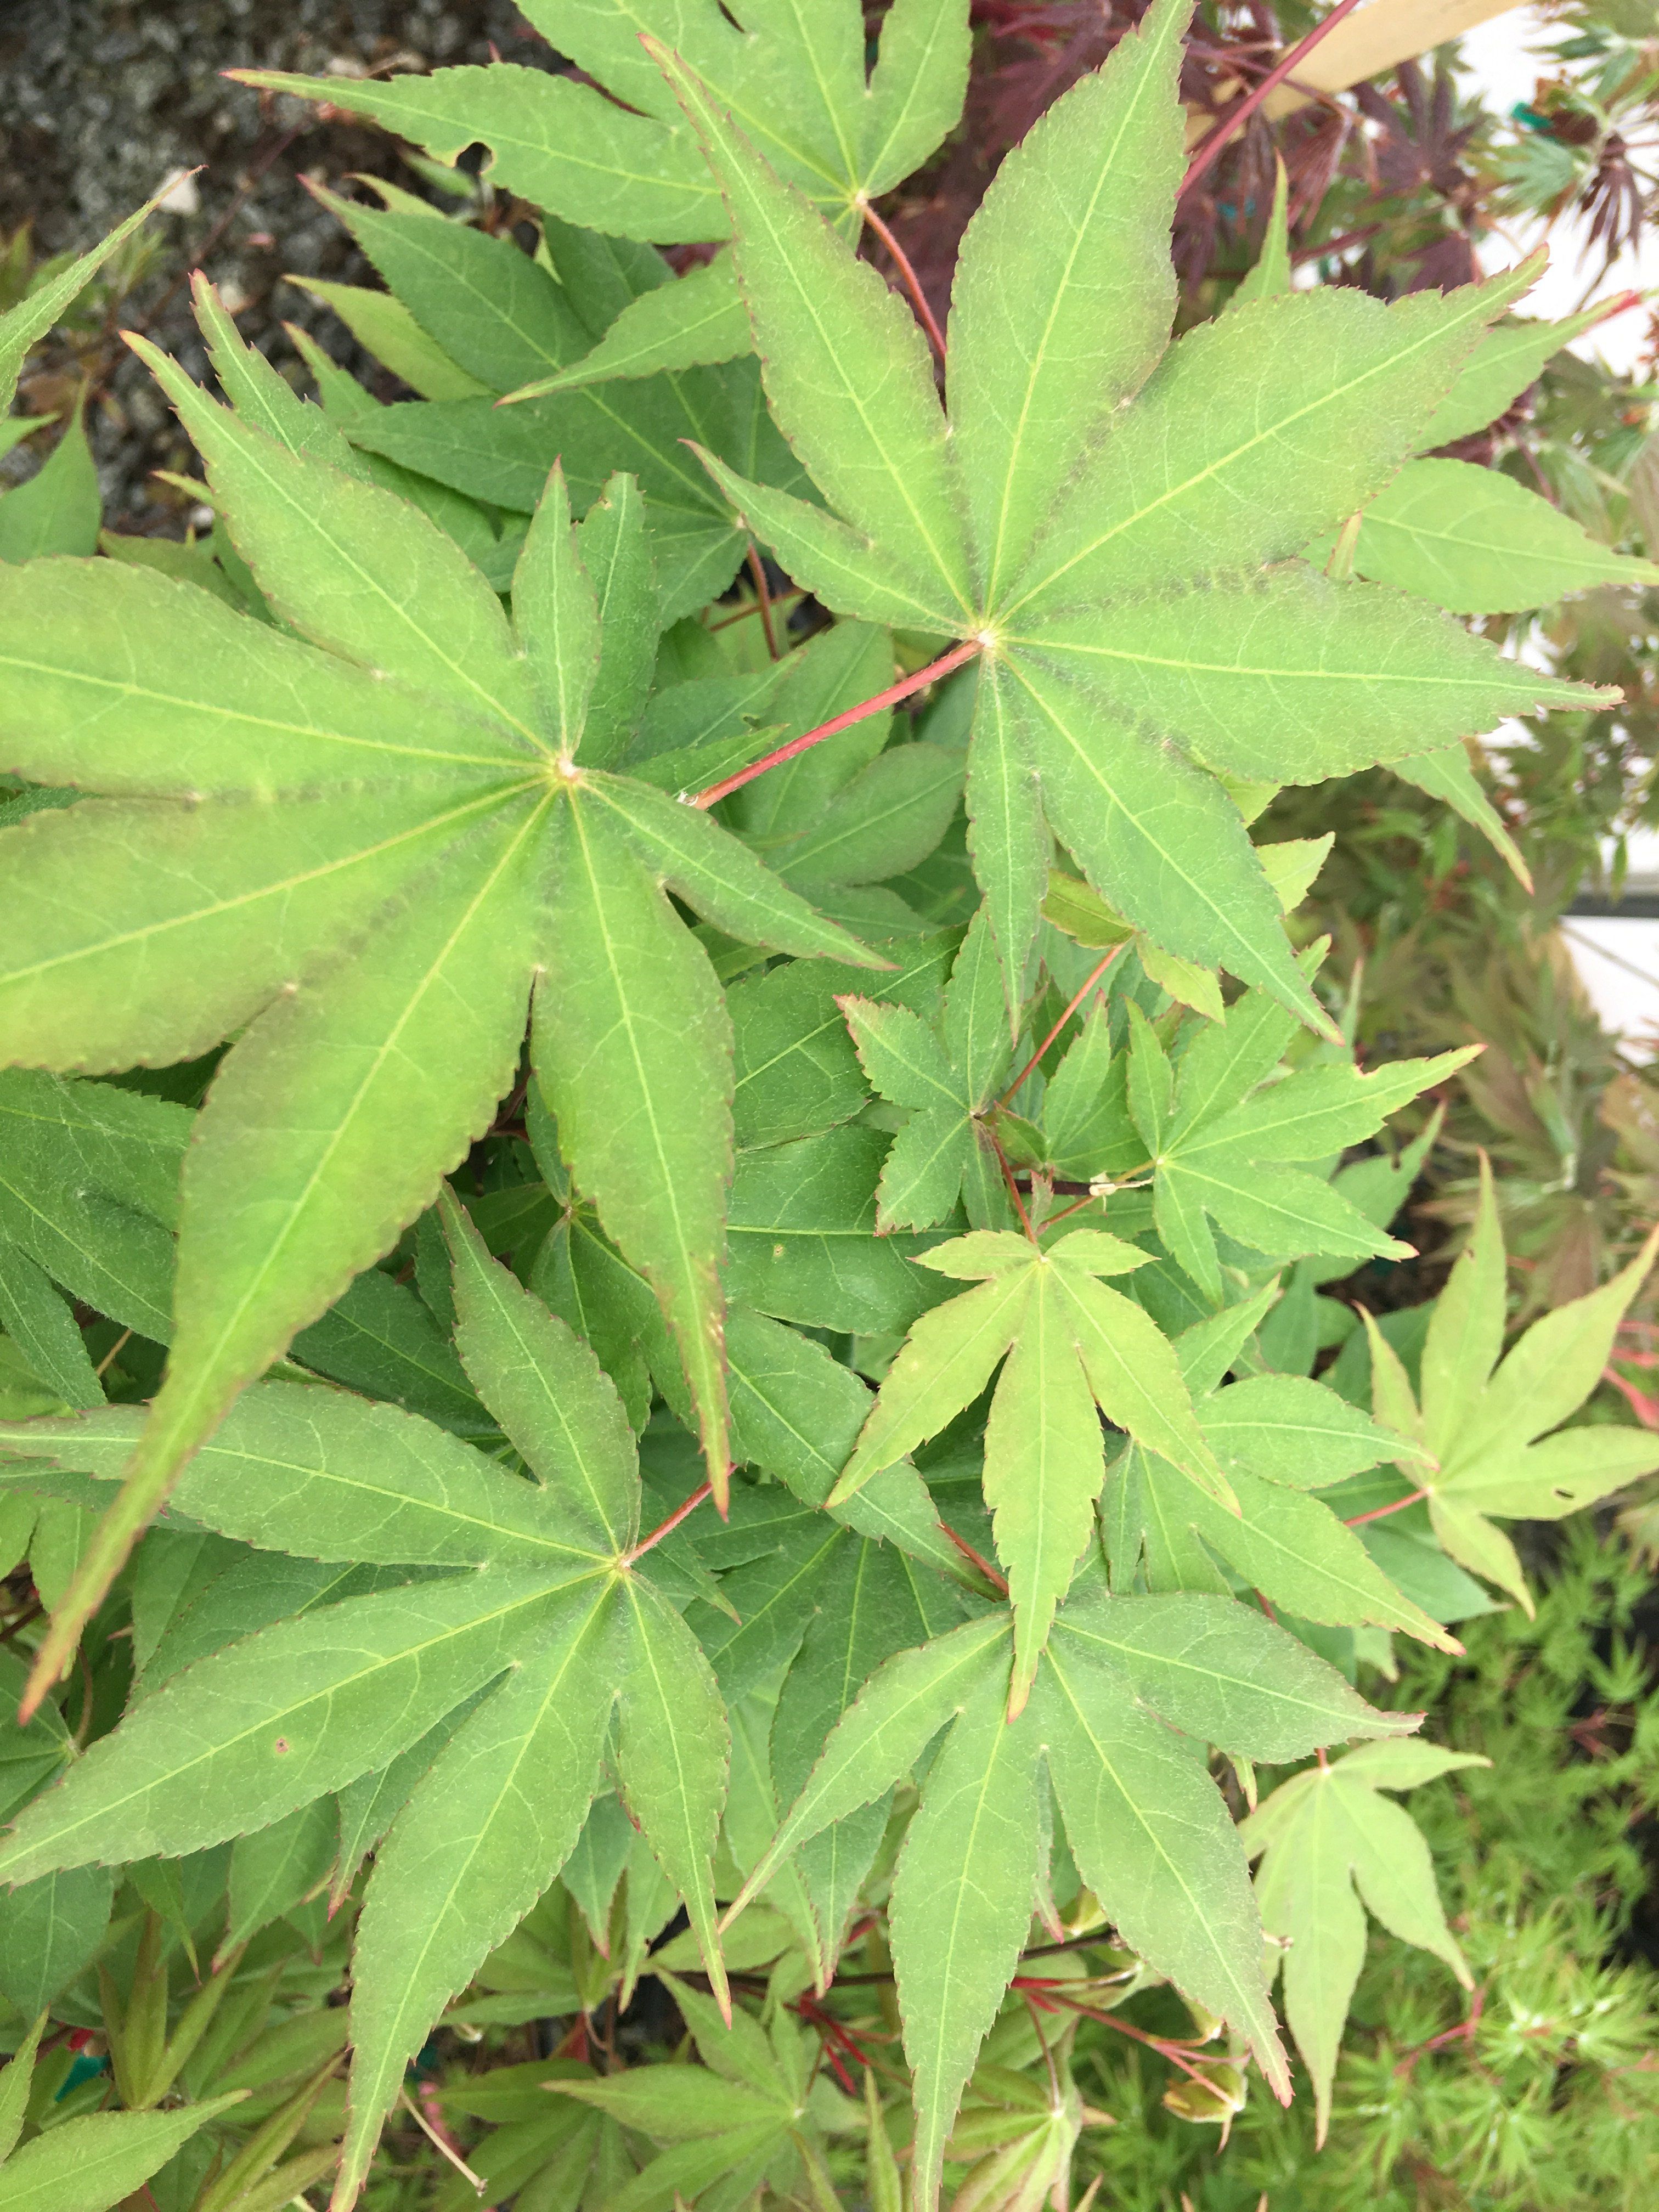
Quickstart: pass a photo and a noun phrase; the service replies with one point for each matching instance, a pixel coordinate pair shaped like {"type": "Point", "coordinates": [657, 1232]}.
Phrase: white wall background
{"type": "Point", "coordinates": [1617, 958]}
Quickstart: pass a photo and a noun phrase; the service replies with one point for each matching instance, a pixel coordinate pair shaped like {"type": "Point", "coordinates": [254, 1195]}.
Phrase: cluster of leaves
{"type": "Point", "coordinates": [502, 1055]}
{"type": "Point", "coordinates": [1536, 2087]}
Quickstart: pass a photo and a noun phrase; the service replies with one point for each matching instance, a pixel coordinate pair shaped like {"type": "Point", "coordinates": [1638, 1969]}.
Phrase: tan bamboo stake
{"type": "Point", "coordinates": [1373, 41]}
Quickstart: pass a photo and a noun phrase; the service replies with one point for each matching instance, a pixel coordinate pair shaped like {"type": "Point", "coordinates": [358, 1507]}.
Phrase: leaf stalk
{"type": "Point", "coordinates": [904, 689]}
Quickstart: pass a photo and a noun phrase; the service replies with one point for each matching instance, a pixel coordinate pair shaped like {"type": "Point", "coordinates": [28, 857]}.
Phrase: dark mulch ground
{"type": "Point", "coordinates": [100, 100]}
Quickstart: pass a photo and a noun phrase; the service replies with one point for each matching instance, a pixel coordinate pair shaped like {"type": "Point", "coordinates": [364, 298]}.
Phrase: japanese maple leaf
{"type": "Point", "coordinates": [353, 840]}
{"type": "Point", "coordinates": [1109, 523]}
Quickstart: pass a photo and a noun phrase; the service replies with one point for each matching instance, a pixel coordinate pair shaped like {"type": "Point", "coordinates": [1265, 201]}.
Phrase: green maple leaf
{"type": "Point", "coordinates": [92, 2162]}
{"type": "Point", "coordinates": [728, 2121]}
{"type": "Point", "coordinates": [358, 848]}
{"type": "Point", "coordinates": [25, 324]}
{"type": "Point", "coordinates": [628, 164]}
{"type": "Point", "coordinates": [468, 316]}
{"type": "Point", "coordinates": [1113, 525]}
{"type": "Point", "coordinates": [1492, 1430]}
{"type": "Point", "coordinates": [525, 1591]}
{"type": "Point", "coordinates": [1277, 1440]}
{"type": "Point", "coordinates": [617, 156]}
{"type": "Point", "coordinates": [947, 1075]}
{"type": "Point", "coordinates": [1070, 1343]}
{"type": "Point", "coordinates": [1220, 1139]}
{"type": "Point", "coordinates": [58, 509]}
{"type": "Point", "coordinates": [1145, 1824]}
{"type": "Point", "coordinates": [1320, 1836]}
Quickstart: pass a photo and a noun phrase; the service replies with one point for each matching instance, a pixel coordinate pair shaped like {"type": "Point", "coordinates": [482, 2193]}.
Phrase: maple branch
{"type": "Point", "coordinates": [1071, 1006]}
{"type": "Point", "coordinates": [757, 570]}
{"type": "Point", "coordinates": [890, 697]}
{"type": "Point", "coordinates": [1382, 1512]}
{"type": "Point", "coordinates": [911, 281]}
{"type": "Point", "coordinates": [667, 1528]}
{"type": "Point", "coordinates": [1247, 107]}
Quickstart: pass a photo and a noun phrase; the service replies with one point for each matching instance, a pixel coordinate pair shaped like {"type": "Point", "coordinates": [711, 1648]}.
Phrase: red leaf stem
{"type": "Point", "coordinates": [1382, 1512]}
{"type": "Point", "coordinates": [667, 1528]}
{"type": "Point", "coordinates": [912, 282]}
{"type": "Point", "coordinates": [890, 697]}
{"type": "Point", "coordinates": [1071, 1006]}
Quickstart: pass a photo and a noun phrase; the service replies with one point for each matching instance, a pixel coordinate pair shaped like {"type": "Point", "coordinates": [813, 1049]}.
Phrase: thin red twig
{"type": "Point", "coordinates": [1382, 1512]}
{"type": "Point", "coordinates": [912, 283]}
{"type": "Point", "coordinates": [1056, 1995]}
{"type": "Point", "coordinates": [1247, 107]}
{"type": "Point", "coordinates": [1071, 1006]}
{"type": "Point", "coordinates": [757, 570]}
{"type": "Point", "coordinates": [903, 689]}
{"type": "Point", "coordinates": [667, 1528]}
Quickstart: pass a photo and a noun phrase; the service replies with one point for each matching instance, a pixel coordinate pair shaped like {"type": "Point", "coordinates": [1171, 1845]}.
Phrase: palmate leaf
{"type": "Point", "coordinates": [502, 1657]}
{"type": "Point", "coordinates": [1147, 1827]}
{"type": "Point", "coordinates": [793, 74]}
{"type": "Point", "coordinates": [947, 1078]}
{"type": "Point", "coordinates": [1324, 1832]}
{"type": "Point", "coordinates": [459, 295]}
{"type": "Point", "coordinates": [1125, 550]}
{"type": "Point", "coordinates": [1491, 1432]}
{"type": "Point", "coordinates": [1287, 1438]}
{"type": "Point", "coordinates": [414, 774]}
{"type": "Point", "coordinates": [1075, 1345]}
{"type": "Point", "coordinates": [1220, 1147]}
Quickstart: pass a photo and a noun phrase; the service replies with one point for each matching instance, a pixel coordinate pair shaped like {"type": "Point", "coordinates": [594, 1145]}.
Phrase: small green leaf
{"type": "Point", "coordinates": [615, 551]}
{"type": "Point", "coordinates": [1222, 1673]}
{"type": "Point", "coordinates": [847, 372]}
{"type": "Point", "coordinates": [1044, 1463]}
{"type": "Point", "coordinates": [1154, 1840]}
{"type": "Point", "coordinates": [1271, 277]}
{"type": "Point", "coordinates": [1064, 290]}
{"type": "Point", "coordinates": [698, 319]}
{"type": "Point", "coordinates": [59, 508]}
{"type": "Point", "coordinates": [90, 2163]}
{"type": "Point", "coordinates": [1474, 540]}
{"type": "Point", "coordinates": [633, 1049]}
{"type": "Point", "coordinates": [883, 1733]}
{"type": "Point", "coordinates": [1321, 1831]}
{"type": "Point", "coordinates": [238, 1740]}
{"type": "Point", "coordinates": [673, 1758]}
{"type": "Point", "coordinates": [557, 617]}
{"type": "Point", "coordinates": [479, 1840]}
{"type": "Point", "coordinates": [545, 1386]}
{"type": "Point", "coordinates": [963, 1894]}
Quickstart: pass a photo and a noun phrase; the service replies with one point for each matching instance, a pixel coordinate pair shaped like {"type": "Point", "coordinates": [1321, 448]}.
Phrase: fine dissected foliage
{"type": "Point", "coordinates": [663, 1258]}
